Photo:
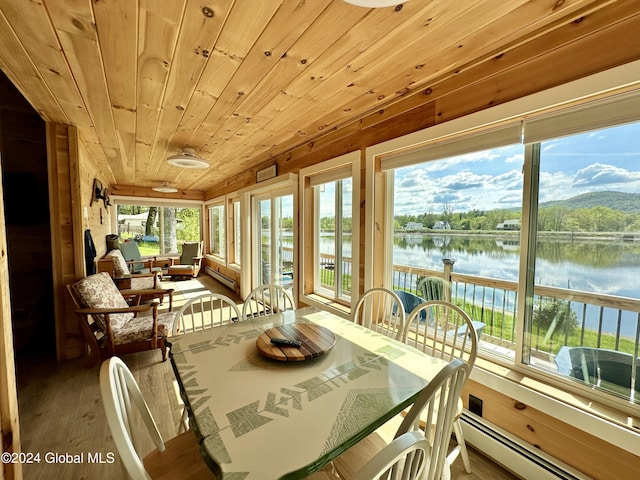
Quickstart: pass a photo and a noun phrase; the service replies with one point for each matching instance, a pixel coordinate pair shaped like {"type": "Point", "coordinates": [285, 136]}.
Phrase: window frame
{"type": "Point", "coordinates": [234, 231]}
{"type": "Point", "coordinates": [173, 203]}
{"type": "Point", "coordinates": [281, 185]}
{"type": "Point", "coordinates": [607, 85]}
{"type": "Point", "coordinates": [330, 170]}
{"type": "Point", "coordinates": [218, 203]}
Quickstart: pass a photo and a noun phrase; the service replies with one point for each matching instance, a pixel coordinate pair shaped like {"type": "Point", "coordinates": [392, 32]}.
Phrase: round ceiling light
{"type": "Point", "coordinates": [375, 3]}
{"type": "Point", "coordinates": [164, 188]}
{"type": "Point", "coordinates": [187, 159]}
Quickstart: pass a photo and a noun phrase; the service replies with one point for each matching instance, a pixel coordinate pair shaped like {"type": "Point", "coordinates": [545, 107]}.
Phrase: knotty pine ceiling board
{"type": "Point", "coordinates": [256, 81]}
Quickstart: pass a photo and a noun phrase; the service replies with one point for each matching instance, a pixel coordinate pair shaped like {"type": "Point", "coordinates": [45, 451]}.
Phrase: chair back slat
{"type": "Point", "coordinates": [436, 405]}
{"type": "Point", "coordinates": [266, 299]}
{"type": "Point", "coordinates": [380, 310]}
{"type": "Point", "coordinates": [206, 311]}
{"type": "Point", "coordinates": [443, 330]}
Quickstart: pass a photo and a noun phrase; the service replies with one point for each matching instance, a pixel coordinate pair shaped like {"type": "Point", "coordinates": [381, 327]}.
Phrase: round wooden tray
{"type": "Point", "coordinates": [316, 341]}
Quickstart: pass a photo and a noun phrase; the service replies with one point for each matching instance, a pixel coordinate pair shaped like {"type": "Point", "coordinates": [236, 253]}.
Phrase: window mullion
{"type": "Point", "coordinates": [528, 234]}
{"type": "Point", "coordinates": [337, 279]}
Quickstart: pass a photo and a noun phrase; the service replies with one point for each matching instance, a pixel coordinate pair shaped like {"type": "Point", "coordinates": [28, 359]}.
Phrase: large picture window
{"type": "Point", "coordinates": [584, 322]}
{"type": "Point", "coordinates": [158, 229]}
{"type": "Point", "coordinates": [534, 229]}
{"type": "Point", "coordinates": [456, 234]}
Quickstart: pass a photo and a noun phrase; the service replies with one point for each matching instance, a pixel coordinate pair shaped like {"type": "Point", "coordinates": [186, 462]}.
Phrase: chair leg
{"type": "Point", "coordinates": [461, 448]}
{"type": "Point", "coordinates": [163, 348]}
{"type": "Point", "coordinates": [184, 422]}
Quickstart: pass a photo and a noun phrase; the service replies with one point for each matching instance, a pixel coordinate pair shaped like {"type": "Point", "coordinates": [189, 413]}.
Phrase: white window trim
{"type": "Point", "coordinates": [285, 184]}
{"type": "Point", "coordinates": [215, 202]}
{"type": "Point", "coordinates": [229, 201]}
{"type": "Point", "coordinates": [608, 83]}
{"type": "Point", "coordinates": [180, 203]}
{"type": "Point", "coordinates": [322, 173]}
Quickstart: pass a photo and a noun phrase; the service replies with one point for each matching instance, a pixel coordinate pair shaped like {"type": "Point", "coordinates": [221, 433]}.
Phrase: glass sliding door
{"type": "Point", "coordinates": [273, 245]}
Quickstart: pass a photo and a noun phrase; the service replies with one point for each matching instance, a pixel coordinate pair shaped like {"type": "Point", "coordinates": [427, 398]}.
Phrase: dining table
{"type": "Point", "coordinates": [262, 411]}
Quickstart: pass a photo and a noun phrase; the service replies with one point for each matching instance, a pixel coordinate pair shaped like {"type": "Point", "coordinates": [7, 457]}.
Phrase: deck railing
{"type": "Point", "coordinates": [574, 318]}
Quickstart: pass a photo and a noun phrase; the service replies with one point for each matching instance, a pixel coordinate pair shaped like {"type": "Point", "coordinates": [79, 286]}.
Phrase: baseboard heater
{"type": "Point", "coordinates": [524, 461]}
{"type": "Point", "coordinates": [227, 281]}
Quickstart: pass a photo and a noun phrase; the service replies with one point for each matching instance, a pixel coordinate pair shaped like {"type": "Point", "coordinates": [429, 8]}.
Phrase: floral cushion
{"type": "Point", "coordinates": [143, 283]}
{"type": "Point", "coordinates": [120, 266]}
{"type": "Point", "coordinates": [99, 291]}
{"type": "Point", "coordinates": [139, 329]}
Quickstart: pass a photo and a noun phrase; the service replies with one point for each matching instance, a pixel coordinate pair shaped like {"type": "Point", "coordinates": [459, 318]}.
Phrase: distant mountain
{"type": "Point", "coordinates": [624, 202]}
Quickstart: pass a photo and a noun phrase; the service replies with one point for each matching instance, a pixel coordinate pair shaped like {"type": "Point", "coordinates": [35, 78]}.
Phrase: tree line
{"type": "Point", "coordinates": [555, 218]}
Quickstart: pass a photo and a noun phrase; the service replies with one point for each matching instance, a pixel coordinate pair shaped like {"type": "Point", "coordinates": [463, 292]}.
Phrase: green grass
{"type": "Point", "coordinates": [328, 277]}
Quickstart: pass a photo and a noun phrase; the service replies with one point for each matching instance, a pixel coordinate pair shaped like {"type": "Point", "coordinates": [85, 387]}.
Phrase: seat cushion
{"type": "Point", "coordinates": [139, 329]}
{"type": "Point", "coordinates": [143, 283]}
{"type": "Point", "coordinates": [99, 291]}
{"type": "Point", "coordinates": [181, 270]}
{"type": "Point", "coordinates": [119, 263]}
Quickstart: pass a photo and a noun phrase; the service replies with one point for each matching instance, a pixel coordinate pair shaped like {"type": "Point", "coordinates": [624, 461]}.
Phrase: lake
{"type": "Point", "coordinates": [597, 266]}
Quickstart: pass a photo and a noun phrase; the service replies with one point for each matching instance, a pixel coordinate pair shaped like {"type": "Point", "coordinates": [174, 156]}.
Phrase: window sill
{"type": "Point", "coordinates": [216, 259]}
{"type": "Point", "coordinates": [324, 303]}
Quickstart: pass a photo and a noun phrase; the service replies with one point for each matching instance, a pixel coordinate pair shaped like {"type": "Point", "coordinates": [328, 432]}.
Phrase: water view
{"type": "Point", "coordinates": [596, 266]}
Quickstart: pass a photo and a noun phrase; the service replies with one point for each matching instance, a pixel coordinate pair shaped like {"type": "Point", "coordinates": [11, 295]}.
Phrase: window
{"type": "Point", "coordinates": [217, 231]}
{"type": "Point", "coordinates": [456, 224]}
{"type": "Point", "coordinates": [535, 228]}
{"type": "Point", "coordinates": [330, 234]}
{"type": "Point", "coordinates": [235, 223]}
{"type": "Point", "coordinates": [584, 320]}
{"type": "Point", "coordinates": [274, 246]}
{"type": "Point", "coordinates": [158, 229]}
{"type": "Point", "coordinates": [333, 245]}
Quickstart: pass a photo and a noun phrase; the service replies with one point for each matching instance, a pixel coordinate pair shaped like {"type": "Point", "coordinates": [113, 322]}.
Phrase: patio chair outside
{"type": "Point", "coordinates": [601, 367]}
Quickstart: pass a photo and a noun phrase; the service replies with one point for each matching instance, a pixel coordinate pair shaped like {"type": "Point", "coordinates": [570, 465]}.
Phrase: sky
{"type": "Point", "coordinates": [606, 160]}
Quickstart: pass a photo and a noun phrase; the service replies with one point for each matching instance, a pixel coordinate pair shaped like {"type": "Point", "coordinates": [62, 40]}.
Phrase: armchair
{"type": "Point", "coordinates": [190, 261]}
{"type": "Point", "coordinates": [117, 267]}
{"type": "Point", "coordinates": [111, 326]}
{"type": "Point", "coordinates": [137, 263]}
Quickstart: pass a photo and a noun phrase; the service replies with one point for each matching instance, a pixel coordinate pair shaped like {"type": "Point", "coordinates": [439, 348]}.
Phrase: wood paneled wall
{"type": "Point", "coordinates": [71, 175]}
{"type": "Point", "coordinates": [586, 453]}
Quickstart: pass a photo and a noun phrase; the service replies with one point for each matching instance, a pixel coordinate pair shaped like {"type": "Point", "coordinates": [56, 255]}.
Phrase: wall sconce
{"type": "Point", "coordinates": [105, 198]}
{"type": "Point", "coordinates": [99, 193]}
{"type": "Point", "coordinates": [96, 192]}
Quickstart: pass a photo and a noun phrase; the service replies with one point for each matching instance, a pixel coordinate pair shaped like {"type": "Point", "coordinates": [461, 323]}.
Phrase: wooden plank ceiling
{"type": "Point", "coordinates": [242, 81]}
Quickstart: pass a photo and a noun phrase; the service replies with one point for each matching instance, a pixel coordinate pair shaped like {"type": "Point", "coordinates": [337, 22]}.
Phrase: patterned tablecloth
{"type": "Point", "coordinates": [262, 419]}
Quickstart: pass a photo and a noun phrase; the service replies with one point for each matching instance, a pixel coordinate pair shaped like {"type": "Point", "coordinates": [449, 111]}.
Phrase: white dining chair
{"type": "Point", "coordinates": [267, 299]}
{"type": "Point", "coordinates": [206, 311]}
{"type": "Point", "coordinates": [381, 310]}
{"type": "Point", "coordinates": [442, 329]}
{"type": "Point", "coordinates": [436, 404]}
{"type": "Point", "coordinates": [123, 403]}
{"type": "Point", "coordinates": [405, 458]}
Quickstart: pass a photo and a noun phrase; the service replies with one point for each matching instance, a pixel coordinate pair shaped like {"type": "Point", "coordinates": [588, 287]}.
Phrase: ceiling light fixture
{"type": "Point", "coordinates": [187, 159]}
{"type": "Point", "coordinates": [375, 3]}
{"type": "Point", "coordinates": [164, 188]}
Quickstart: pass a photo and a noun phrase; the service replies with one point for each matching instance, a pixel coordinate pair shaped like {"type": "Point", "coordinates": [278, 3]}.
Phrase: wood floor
{"type": "Point", "coordinates": [61, 412]}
